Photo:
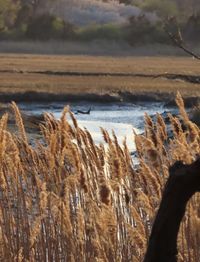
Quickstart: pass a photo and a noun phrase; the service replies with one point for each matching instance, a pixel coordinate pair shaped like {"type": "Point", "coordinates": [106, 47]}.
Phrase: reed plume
{"type": "Point", "coordinates": [66, 198]}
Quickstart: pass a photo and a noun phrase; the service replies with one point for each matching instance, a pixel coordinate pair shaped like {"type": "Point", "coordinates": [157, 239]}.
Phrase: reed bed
{"type": "Point", "coordinates": [68, 199]}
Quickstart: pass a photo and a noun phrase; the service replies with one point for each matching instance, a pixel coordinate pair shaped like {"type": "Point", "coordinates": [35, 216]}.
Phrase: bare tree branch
{"type": "Point", "coordinates": [177, 38]}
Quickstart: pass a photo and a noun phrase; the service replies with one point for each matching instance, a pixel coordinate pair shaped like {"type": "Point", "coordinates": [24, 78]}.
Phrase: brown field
{"type": "Point", "coordinates": [84, 75]}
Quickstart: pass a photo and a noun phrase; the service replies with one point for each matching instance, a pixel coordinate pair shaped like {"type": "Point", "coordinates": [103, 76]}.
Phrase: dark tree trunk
{"type": "Point", "coordinates": [183, 182]}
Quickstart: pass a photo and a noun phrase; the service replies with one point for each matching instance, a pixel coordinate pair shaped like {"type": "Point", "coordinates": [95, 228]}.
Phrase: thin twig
{"type": "Point", "coordinates": [178, 40]}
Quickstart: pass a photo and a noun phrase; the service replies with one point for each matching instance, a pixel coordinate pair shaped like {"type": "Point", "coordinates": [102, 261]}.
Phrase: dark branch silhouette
{"type": "Point", "coordinates": [177, 38]}
{"type": "Point", "coordinates": [182, 46]}
{"type": "Point", "coordinates": [182, 184]}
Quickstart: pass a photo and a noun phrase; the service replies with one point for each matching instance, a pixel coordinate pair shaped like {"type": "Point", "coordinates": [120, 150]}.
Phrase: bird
{"type": "Point", "coordinates": [84, 112]}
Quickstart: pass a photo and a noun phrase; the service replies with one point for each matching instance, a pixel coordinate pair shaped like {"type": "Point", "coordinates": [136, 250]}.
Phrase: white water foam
{"type": "Point", "coordinates": [122, 131]}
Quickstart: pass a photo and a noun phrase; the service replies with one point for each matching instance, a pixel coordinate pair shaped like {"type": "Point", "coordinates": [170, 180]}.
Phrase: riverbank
{"type": "Point", "coordinates": [119, 97]}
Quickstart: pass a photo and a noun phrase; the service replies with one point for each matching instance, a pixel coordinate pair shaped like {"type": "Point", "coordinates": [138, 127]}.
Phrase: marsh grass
{"type": "Point", "coordinates": [68, 199]}
{"type": "Point", "coordinates": [43, 78]}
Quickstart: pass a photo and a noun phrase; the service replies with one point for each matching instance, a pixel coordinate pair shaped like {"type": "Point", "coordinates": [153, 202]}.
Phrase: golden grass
{"type": "Point", "coordinates": [18, 74]}
{"type": "Point", "coordinates": [67, 199]}
{"type": "Point", "coordinates": [107, 64]}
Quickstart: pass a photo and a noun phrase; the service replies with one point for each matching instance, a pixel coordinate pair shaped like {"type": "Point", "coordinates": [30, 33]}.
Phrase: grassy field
{"type": "Point", "coordinates": [75, 75]}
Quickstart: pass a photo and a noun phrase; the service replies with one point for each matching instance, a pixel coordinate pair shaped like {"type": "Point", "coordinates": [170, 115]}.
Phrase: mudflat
{"type": "Point", "coordinates": [49, 78]}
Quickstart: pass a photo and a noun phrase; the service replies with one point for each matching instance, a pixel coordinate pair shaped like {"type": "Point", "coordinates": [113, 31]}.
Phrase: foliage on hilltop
{"type": "Point", "coordinates": [21, 19]}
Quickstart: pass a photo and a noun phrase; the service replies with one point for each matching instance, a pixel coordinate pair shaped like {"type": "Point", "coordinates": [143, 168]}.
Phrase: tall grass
{"type": "Point", "coordinates": [68, 199]}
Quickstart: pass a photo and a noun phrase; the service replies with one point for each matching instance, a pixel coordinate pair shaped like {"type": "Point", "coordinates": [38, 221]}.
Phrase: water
{"type": "Point", "coordinates": [121, 118]}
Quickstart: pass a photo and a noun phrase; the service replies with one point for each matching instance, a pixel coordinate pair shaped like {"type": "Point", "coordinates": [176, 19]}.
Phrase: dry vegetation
{"type": "Point", "coordinates": [67, 199]}
{"type": "Point", "coordinates": [55, 75]}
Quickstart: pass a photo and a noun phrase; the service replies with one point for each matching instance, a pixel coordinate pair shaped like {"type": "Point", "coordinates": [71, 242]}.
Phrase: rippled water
{"type": "Point", "coordinates": [121, 118]}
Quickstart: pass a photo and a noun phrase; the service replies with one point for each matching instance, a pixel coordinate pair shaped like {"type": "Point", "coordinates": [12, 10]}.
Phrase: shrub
{"type": "Point", "coordinates": [140, 30]}
{"type": "Point", "coordinates": [107, 31]}
{"type": "Point", "coordinates": [162, 8]}
{"type": "Point", "coordinates": [191, 29]}
{"type": "Point", "coordinates": [8, 14]}
{"type": "Point", "coordinates": [47, 26]}
{"type": "Point", "coordinates": [24, 15]}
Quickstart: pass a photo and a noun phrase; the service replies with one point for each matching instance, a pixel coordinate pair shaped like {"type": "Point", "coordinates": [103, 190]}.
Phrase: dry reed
{"type": "Point", "coordinates": [71, 200]}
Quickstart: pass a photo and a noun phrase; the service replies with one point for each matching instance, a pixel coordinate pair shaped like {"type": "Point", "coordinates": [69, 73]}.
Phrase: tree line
{"type": "Point", "coordinates": [21, 19]}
